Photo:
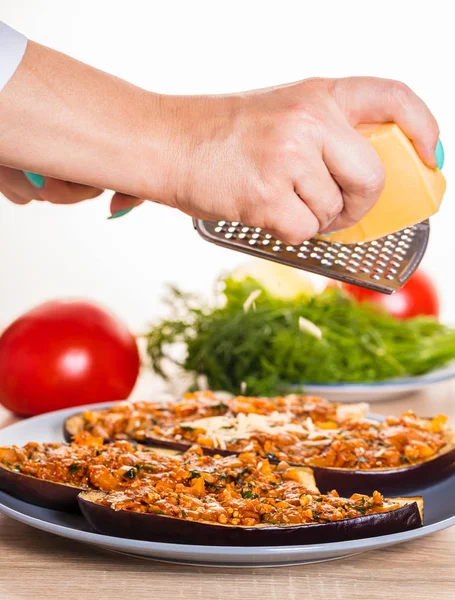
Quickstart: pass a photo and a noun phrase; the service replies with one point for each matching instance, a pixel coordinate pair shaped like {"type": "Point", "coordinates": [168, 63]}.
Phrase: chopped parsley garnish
{"type": "Point", "coordinates": [130, 474]}
{"type": "Point", "coordinates": [74, 468]}
{"type": "Point", "coordinates": [247, 494]}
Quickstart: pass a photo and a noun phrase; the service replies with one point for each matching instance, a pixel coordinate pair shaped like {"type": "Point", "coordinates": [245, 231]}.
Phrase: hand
{"type": "Point", "coordinates": [286, 159]}
{"type": "Point", "coordinates": [22, 189]}
{"type": "Point", "coordinates": [15, 186]}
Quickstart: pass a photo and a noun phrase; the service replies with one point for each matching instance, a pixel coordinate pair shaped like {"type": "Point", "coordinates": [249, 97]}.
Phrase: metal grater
{"type": "Point", "coordinates": [383, 265]}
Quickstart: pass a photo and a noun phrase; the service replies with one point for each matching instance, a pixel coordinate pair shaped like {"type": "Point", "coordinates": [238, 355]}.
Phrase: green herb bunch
{"type": "Point", "coordinates": [266, 348]}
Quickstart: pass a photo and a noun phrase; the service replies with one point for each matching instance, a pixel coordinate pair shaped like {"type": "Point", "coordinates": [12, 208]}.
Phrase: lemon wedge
{"type": "Point", "coordinates": [279, 280]}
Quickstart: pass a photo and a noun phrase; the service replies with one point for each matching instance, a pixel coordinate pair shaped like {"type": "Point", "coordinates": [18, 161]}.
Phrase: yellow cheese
{"type": "Point", "coordinates": [412, 193]}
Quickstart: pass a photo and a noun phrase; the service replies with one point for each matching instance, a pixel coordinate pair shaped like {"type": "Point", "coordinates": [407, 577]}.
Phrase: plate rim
{"type": "Point", "coordinates": [433, 376]}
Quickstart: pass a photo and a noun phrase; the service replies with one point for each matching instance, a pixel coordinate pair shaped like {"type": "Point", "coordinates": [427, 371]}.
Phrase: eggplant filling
{"type": "Point", "coordinates": [242, 490]}
{"type": "Point", "coordinates": [131, 420]}
{"type": "Point", "coordinates": [86, 463]}
{"type": "Point", "coordinates": [359, 444]}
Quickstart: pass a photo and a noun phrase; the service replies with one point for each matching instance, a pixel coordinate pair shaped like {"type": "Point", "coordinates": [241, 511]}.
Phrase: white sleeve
{"type": "Point", "coordinates": [12, 49]}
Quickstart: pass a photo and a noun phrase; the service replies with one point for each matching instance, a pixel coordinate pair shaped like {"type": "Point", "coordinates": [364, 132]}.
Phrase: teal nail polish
{"type": "Point", "coordinates": [329, 233]}
{"type": "Point", "coordinates": [439, 154]}
{"type": "Point", "coordinates": [35, 179]}
{"type": "Point", "coordinates": [120, 213]}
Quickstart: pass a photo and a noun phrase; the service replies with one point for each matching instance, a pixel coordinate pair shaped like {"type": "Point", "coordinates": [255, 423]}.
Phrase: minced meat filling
{"type": "Point", "coordinates": [244, 490]}
{"type": "Point", "coordinates": [131, 420]}
{"type": "Point", "coordinates": [355, 443]}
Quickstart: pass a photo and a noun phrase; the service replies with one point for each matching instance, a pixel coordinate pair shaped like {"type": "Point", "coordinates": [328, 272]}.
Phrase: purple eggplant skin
{"type": "Point", "coordinates": [48, 494]}
{"type": "Point", "coordinates": [350, 481]}
{"type": "Point", "coordinates": [159, 528]}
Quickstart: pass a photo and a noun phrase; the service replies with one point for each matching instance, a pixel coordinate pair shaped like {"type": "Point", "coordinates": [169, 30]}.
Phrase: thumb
{"type": "Point", "coordinates": [375, 100]}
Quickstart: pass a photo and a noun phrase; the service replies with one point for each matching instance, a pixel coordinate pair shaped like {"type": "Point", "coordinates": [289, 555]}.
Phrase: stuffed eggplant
{"type": "Point", "coordinates": [245, 501]}
{"type": "Point", "coordinates": [52, 475]}
{"type": "Point", "coordinates": [397, 454]}
{"type": "Point", "coordinates": [131, 420]}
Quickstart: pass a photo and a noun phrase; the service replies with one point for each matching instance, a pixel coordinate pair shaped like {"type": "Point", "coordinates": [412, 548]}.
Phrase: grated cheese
{"type": "Point", "coordinates": [225, 429]}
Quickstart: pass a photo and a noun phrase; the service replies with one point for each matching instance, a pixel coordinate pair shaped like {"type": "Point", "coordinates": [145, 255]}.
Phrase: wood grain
{"type": "Point", "coordinates": [35, 565]}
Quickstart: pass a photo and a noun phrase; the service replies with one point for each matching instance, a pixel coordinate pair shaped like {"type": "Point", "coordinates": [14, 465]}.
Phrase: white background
{"type": "Point", "coordinates": [203, 47]}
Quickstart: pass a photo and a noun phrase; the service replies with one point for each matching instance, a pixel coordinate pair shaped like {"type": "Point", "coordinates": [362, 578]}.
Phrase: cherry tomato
{"type": "Point", "coordinates": [65, 353]}
{"type": "Point", "coordinates": [417, 297]}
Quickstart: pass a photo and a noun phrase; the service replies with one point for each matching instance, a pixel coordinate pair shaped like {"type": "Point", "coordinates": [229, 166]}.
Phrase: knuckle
{"type": "Point", "coordinates": [401, 93]}
{"type": "Point", "coordinates": [372, 184]}
{"type": "Point", "coordinates": [334, 208]}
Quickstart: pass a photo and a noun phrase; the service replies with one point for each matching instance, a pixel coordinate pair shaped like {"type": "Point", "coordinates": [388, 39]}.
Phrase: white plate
{"type": "Point", "coordinates": [383, 390]}
{"type": "Point", "coordinates": [439, 514]}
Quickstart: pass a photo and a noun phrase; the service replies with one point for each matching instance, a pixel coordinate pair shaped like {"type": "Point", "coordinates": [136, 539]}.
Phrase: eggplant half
{"type": "Point", "coordinates": [48, 494]}
{"type": "Point", "coordinates": [153, 527]}
{"type": "Point", "coordinates": [397, 480]}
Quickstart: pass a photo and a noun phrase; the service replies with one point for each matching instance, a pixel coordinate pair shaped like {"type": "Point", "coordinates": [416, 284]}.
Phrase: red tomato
{"type": "Point", "coordinates": [417, 297]}
{"type": "Point", "coordinates": [65, 353]}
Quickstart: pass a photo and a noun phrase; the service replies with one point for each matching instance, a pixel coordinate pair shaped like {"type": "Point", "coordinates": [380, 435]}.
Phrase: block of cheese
{"type": "Point", "coordinates": [412, 193]}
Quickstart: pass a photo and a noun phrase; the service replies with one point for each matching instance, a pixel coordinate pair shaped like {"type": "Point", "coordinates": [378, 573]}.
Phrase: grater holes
{"type": "Point", "coordinates": [326, 263]}
{"type": "Point", "coordinates": [374, 261]}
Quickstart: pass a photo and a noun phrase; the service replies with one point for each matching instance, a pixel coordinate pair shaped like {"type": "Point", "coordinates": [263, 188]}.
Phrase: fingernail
{"type": "Point", "coordinates": [439, 154]}
{"type": "Point", "coordinates": [329, 233]}
{"type": "Point", "coordinates": [35, 179]}
{"type": "Point", "coordinates": [120, 213]}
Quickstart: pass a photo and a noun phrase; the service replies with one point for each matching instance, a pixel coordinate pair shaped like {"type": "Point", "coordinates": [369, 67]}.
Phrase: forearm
{"type": "Point", "coordinates": [65, 119]}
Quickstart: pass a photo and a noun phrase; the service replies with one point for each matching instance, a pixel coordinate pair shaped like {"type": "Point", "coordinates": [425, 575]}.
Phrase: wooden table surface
{"type": "Point", "coordinates": [35, 565]}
